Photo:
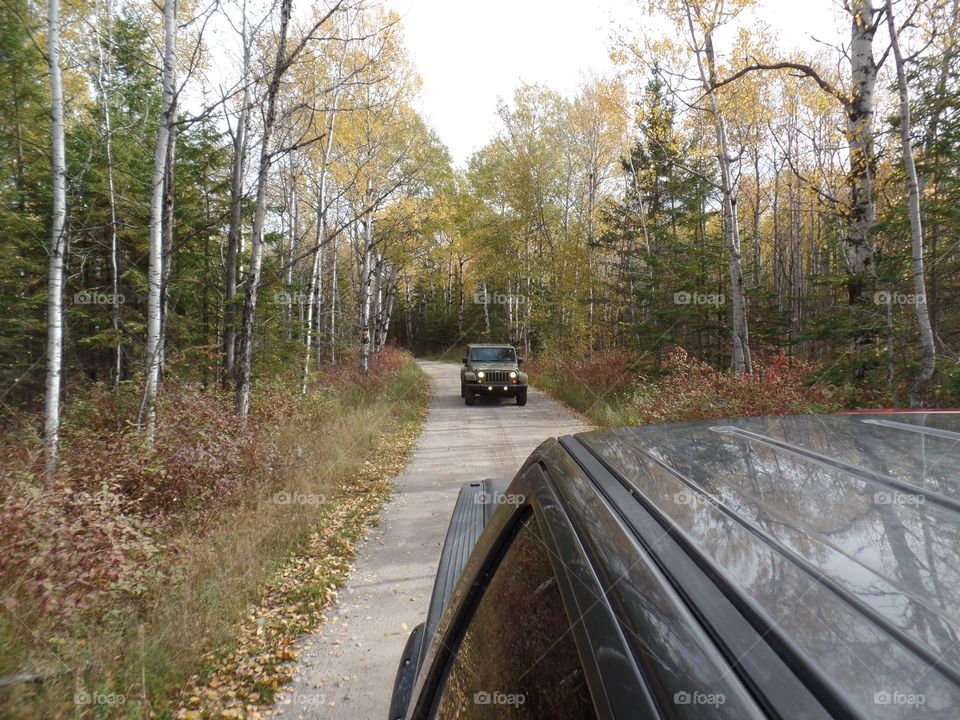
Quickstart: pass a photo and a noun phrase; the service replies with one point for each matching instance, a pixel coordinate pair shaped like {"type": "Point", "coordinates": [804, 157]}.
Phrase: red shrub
{"type": "Point", "coordinates": [386, 364]}
{"type": "Point", "coordinates": [201, 450]}
{"type": "Point", "coordinates": [603, 374]}
{"type": "Point", "coordinates": [693, 390]}
{"type": "Point", "coordinates": [67, 550]}
{"type": "Point", "coordinates": [93, 533]}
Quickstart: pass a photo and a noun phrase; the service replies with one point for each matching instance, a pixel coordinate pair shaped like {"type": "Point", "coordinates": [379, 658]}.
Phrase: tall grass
{"type": "Point", "coordinates": [129, 642]}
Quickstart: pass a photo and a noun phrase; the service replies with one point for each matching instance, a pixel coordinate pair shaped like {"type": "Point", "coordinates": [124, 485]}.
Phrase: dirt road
{"type": "Point", "coordinates": [347, 669]}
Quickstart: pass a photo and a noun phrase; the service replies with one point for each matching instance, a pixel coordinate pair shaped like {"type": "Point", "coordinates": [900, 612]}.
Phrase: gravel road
{"type": "Point", "coordinates": [346, 670]}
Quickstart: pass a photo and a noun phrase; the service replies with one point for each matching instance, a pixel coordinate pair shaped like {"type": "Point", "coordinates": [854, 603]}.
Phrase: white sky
{"type": "Point", "coordinates": [470, 52]}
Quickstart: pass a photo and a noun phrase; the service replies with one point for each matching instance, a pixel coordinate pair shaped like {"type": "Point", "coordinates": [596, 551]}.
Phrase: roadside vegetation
{"type": "Point", "coordinates": [619, 388]}
{"type": "Point", "coordinates": [142, 574]}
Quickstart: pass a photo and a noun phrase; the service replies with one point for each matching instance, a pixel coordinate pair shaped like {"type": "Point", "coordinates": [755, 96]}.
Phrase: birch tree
{"type": "Point", "coordinates": [702, 19]}
{"type": "Point", "coordinates": [281, 63]}
{"type": "Point", "coordinates": [366, 283]}
{"type": "Point", "coordinates": [928, 348]}
{"type": "Point", "coordinates": [58, 243]}
{"type": "Point", "coordinates": [104, 81]}
{"type": "Point", "coordinates": [158, 185]}
{"type": "Point", "coordinates": [237, 175]}
{"type": "Point", "coordinates": [860, 106]}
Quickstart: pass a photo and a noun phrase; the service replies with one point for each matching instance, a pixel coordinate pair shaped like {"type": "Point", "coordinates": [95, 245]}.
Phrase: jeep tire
{"type": "Point", "coordinates": [522, 397]}
{"type": "Point", "coordinates": [469, 397]}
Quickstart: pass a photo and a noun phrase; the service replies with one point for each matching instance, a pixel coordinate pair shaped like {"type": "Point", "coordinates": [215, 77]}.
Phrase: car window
{"type": "Point", "coordinates": [493, 355]}
{"type": "Point", "coordinates": [518, 658]}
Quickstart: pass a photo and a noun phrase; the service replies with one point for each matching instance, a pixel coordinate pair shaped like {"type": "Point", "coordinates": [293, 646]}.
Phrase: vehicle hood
{"type": "Point", "coordinates": [843, 529]}
{"type": "Point", "coordinates": [492, 366]}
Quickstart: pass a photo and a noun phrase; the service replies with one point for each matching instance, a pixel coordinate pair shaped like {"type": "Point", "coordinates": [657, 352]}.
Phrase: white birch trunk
{"type": "Point", "coordinates": [104, 79]}
{"type": "Point", "coordinates": [449, 295]}
{"type": "Point", "coordinates": [244, 366]}
{"type": "Point", "coordinates": [155, 272]}
{"type": "Point", "coordinates": [292, 236]}
{"type": "Point", "coordinates": [366, 282]}
{"type": "Point", "coordinates": [927, 345]}
{"type": "Point", "coordinates": [313, 292]}
{"type": "Point", "coordinates": [708, 77]}
{"type": "Point", "coordinates": [58, 241]}
{"type": "Point", "coordinates": [334, 304]}
{"type": "Point", "coordinates": [858, 250]}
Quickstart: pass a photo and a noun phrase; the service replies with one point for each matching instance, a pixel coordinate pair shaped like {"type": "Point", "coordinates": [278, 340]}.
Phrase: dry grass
{"type": "Point", "coordinates": [136, 659]}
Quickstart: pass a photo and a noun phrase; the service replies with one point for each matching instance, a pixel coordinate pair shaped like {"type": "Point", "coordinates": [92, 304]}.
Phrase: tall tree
{"type": "Point", "coordinates": [929, 350]}
{"type": "Point", "coordinates": [58, 243]}
{"type": "Point", "coordinates": [154, 346]}
{"type": "Point", "coordinates": [703, 19]}
{"type": "Point", "coordinates": [281, 63]}
{"type": "Point", "coordinates": [238, 169]}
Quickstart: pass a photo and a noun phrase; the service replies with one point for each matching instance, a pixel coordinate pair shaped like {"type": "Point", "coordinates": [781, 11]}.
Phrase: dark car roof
{"type": "Point", "coordinates": [837, 536]}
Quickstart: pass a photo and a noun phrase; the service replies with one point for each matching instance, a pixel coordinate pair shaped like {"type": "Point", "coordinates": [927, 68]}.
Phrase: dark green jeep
{"type": "Point", "coordinates": [494, 371]}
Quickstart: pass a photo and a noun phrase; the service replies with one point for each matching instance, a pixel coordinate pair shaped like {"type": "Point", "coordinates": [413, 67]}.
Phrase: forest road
{"type": "Point", "coordinates": [346, 669]}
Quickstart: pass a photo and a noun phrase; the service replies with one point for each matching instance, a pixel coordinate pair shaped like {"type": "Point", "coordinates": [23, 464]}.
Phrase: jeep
{"type": "Point", "coordinates": [493, 371]}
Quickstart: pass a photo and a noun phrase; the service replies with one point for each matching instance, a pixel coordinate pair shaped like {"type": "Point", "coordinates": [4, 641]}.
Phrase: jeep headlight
{"type": "Point", "coordinates": [480, 375]}
{"type": "Point", "coordinates": [513, 374]}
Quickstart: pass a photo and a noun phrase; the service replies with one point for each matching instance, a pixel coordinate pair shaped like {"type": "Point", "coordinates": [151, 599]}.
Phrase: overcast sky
{"type": "Point", "coordinates": [470, 52]}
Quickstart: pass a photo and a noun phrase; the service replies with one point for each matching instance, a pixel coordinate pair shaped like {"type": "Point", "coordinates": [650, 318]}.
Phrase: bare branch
{"type": "Point", "coordinates": [801, 68]}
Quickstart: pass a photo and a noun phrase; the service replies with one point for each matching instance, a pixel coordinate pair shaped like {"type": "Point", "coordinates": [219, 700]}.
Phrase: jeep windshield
{"type": "Point", "coordinates": [493, 355]}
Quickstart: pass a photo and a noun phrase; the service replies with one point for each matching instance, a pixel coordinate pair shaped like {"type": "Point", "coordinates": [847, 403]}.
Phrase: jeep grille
{"type": "Point", "coordinates": [496, 376]}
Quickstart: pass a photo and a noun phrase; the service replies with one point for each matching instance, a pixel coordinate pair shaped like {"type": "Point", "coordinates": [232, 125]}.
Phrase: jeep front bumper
{"type": "Point", "coordinates": [502, 389]}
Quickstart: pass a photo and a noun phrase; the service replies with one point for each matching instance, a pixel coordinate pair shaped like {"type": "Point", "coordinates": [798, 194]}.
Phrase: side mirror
{"type": "Point", "coordinates": [519, 361]}
{"type": "Point", "coordinates": [464, 361]}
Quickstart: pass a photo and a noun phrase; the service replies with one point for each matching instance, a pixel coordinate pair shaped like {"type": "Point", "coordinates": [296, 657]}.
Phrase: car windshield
{"type": "Point", "coordinates": [493, 354]}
